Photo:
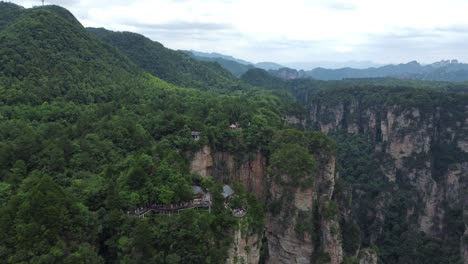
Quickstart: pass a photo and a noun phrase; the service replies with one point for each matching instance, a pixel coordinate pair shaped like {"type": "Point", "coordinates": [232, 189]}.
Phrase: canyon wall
{"type": "Point", "coordinates": [226, 167]}
{"type": "Point", "coordinates": [305, 229]}
{"type": "Point", "coordinates": [245, 248]}
{"type": "Point", "coordinates": [421, 149]}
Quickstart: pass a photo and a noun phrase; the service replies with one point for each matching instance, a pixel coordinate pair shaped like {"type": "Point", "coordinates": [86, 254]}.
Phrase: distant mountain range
{"type": "Point", "coordinates": [445, 70]}
{"type": "Point", "coordinates": [234, 65]}
{"type": "Point", "coordinates": [307, 65]}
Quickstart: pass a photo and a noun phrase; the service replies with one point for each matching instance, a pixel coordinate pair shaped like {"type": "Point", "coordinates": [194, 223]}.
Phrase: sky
{"type": "Point", "coordinates": [381, 31]}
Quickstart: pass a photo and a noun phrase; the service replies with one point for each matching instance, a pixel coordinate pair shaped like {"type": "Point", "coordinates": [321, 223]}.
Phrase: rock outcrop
{"type": "Point", "coordinates": [245, 249]}
{"type": "Point", "coordinates": [202, 162]}
{"type": "Point", "coordinates": [417, 147]}
{"type": "Point", "coordinates": [368, 256]}
{"type": "Point", "coordinates": [305, 227]}
{"type": "Point", "coordinates": [250, 170]}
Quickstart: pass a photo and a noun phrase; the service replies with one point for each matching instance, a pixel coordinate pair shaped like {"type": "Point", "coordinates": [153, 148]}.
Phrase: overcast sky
{"type": "Point", "coordinates": [383, 31]}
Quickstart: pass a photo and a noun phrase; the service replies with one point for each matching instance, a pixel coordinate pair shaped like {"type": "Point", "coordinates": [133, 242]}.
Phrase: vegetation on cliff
{"type": "Point", "coordinates": [87, 136]}
{"type": "Point", "coordinates": [95, 124]}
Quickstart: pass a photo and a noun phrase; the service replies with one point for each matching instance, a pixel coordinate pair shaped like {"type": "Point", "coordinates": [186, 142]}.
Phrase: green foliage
{"type": "Point", "coordinates": [330, 210]}
{"type": "Point", "coordinates": [323, 257]}
{"type": "Point", "coordinates": [190, 237]}
{"type": "Point", "coordinates": [305, 223]}
{"type": "Point", "coordinates": [351, 235]}
{"type": "Point", "coordinates": [172, 66]}
{"type": "Point", "coordinates": [262, 78]}
{"type": "Point", "coordinates": [254, 220]}
{"type": "Point", "coordinates": [43, 223]}
{"type": "Point", "coordinates": [293, 156]}
{"type": "Point", "coordinates": [37, 63]}
{"type": "Point", "coordinates": [295, 163]}
{"type": "Point", "coordinates": [112, 138]}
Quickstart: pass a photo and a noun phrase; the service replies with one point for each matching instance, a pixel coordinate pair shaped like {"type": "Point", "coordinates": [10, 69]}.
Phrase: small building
{"type": "Point", "coordinates": [196, 135]}
{"type": "Point", "coordinates": [235, 126]}
{"type": "Point", "coordinates": [200, 196]}
{"type": "Point", "coordinates": [228, 192]}
{"type": "Point", "coordinates": [197, 192]}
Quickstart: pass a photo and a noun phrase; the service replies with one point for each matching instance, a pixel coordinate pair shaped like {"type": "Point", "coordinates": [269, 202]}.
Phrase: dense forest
{"type": "Point", "coordinates": [87, 136]}
{"type": "Point", "coordinates": [95, 124]}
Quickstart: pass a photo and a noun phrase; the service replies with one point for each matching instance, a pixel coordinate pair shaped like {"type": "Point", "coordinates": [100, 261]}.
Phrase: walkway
{"type": "Point", "coordinates": [169, 209]}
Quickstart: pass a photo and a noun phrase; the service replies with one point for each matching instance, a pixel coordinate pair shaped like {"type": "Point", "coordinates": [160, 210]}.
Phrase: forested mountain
{"type": "Point", "coordinates": [214, 55]}
{"type": "Point", "coordinates": [232, 65]}
{"type": "Point", "coordinates": [46, 54]}
{"type": "Point", "coordinates": [169, 65]}
{"type": "Point", "coordinates": [87, 136]}
{"type": "Point", "coordinates": [107, 139]}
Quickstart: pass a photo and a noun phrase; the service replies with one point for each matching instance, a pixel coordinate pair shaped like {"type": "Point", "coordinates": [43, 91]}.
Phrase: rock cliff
{"type": "Point", "coordinates": [250, 169]}
{"type": "Point", "coordinates": [420, 149]}
{"type": "Point", "coordinates": [367, 256]}
{"type": "Point", "coordinates": [245, 248]}
{"type": "Point", "coordinates": [305, 227]}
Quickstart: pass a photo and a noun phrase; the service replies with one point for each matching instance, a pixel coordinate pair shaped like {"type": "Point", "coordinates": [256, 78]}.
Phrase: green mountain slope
{"type": "Point", "coordinates": [45, 53]}
{"type": "Point", "coordinates": [8, 12]}
{"type": "Point", "coordinates": [233, 66]}
{"type": "Point", "coordinates": [172, 66]}
{"type": "Point", "coordinates": [87, 136]}
{"type": "Point", "coordinates": [262, 78]}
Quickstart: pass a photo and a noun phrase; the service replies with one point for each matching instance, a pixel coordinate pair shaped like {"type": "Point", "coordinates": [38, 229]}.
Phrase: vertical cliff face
{"type": "Point", "coordinates": [245, 249]}
{"type": "Point", "coordinates": [250, 169]}
{"type": "Point", "coordinates": [368, 256]}
{"type": "Point", "coordinates": [202, 162]}
{"type": "Point", "coordinates": [303, 225]}
{"type": "Point", "coordinates": [420, 149]}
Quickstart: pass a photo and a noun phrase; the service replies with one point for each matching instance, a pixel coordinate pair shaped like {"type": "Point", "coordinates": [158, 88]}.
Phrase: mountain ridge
{"type": "Point", "coordinates": [444, 70]}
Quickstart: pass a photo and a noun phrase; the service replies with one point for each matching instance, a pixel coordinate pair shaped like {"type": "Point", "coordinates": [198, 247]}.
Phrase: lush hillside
{"type": "Point", "coordinates": [87, 137]}
{"type": "Point", "coordinates": [262, 78]}
{"type": "Point", "coordinates": [97, 126]}
{"type": "Point", "coordinates": [45, 53]}
{"type": "Point", "coordinates": [8, 12]}
{"type": "Point", "coordinates": [215, 55]}
{"type": "Point", "coordinates": [232, 65]}
{"type": "Point", "coordinates": [172, 66]}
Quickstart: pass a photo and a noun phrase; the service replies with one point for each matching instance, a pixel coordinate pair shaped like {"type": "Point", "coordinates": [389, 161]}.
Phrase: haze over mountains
{"type": "Point", "coordinates": [445, 70]}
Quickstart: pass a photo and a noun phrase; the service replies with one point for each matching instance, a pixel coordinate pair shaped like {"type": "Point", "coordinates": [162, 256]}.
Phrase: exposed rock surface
{"type": "Point", "coordinates": [245, 249]}
{"type": "Point", "coordinates": [287, 241]}
{"type": "Point", "coordinates": [225, 167]}
{"type": "Point", "coordinates": [202, 162]}
{"type": "Point", "coordinates": [367, 256]}
{"type": "Point", "coordinates": [408, 140]}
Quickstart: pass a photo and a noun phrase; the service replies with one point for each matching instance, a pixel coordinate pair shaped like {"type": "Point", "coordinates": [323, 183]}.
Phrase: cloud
{"type": "Point", "coordinates": [294, 30]}
{"type": "Point", "coordinates": [184, 26]}
{"type": "Point", "coordinates": [340, 5]}
{"type": "Point", "coordinates": [454, 28]}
